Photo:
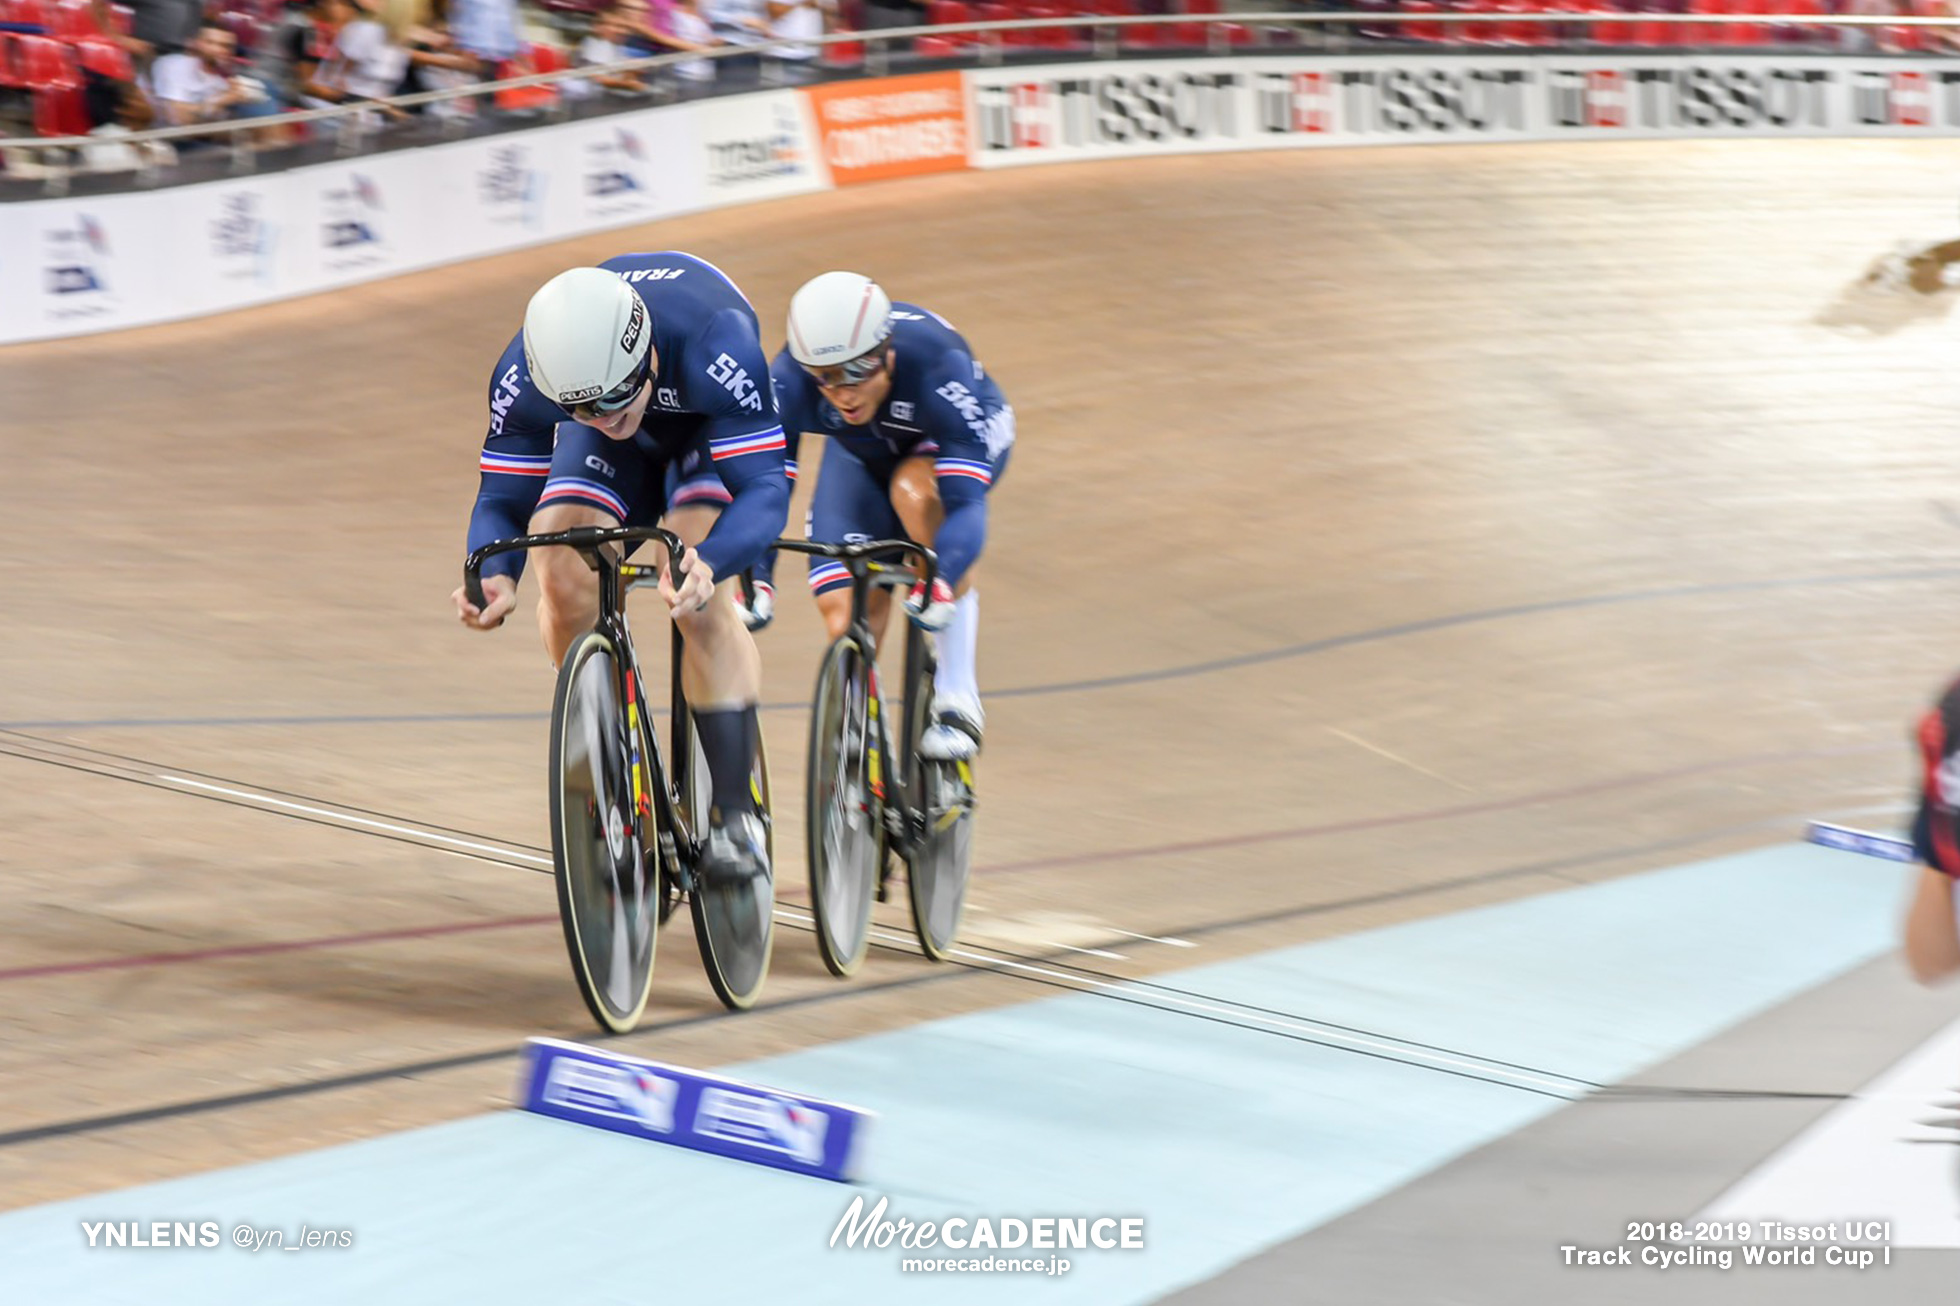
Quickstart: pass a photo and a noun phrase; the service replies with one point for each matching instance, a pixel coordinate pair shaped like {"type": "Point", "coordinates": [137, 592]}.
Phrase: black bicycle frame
{"type": "Point", "coordinates": [678, 842]}
{"type": "Point", "coordinates": [863, 561]}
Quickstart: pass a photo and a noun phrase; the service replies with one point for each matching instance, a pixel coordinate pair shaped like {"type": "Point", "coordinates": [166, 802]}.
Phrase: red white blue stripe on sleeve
{"type": "Point", "coordinates": [755, 442]}
{"type": "Point", "coordinates": [707, 489]}
{"type": "Point", "coordinates": [514, 464]}
{"type": "Point", "coordinates": [789, 468]}
{"type": "Point", "coordinates": [979, 471]}
{"type": "Point", "coordinates": [581, 491]}
{"type": "Point", "coordinates": [828, 575]}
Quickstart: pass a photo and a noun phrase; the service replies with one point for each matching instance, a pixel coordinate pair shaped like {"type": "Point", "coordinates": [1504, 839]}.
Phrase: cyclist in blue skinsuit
{"type": "Point", "coordinates": [918, 435]}
{"type": "Point", "coordinates": [638, 391]}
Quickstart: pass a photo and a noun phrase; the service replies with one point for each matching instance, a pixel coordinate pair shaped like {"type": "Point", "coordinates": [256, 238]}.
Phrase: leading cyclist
{"type": "Point", "coordinates": [639, 388]}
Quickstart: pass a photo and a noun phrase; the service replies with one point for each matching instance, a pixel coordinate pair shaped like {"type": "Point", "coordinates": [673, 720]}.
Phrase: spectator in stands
{"type": "Point", "coordinates": [316, 75]}
{"type": "Point", "coordinates": [106, 22]}
{"type": "Point", "coordinates": [349, 59]}
{"type": "Point", "coordinates": [117, 107]}
{"type": "Point", "coordinates": [1863, 40]}
{"type": "Point", "coordinates": [486, 29]}
{"type": "Point", "coordinates": [689, 24]}
{"type": "Point", "coordinates": [163, 26]}
{"type": "Point", "coordinates": [894, 13]}
{"type": "Point", "coordinates": [434, 62]}
{"type": "Point", "coordinates": [605, 44]}
{"type": "Point", "coordinates": [652, 32]}
{"type": "Point", "coordinates": [371, 64]}
{"type": "Point", "coordinates": [201, 85]}
{"type": "Point", "coordinates": [289, 46]}
{"type": "Point", "coordinates": [796, 20]}
{"type": "Point", "coordinates": [739, 22]}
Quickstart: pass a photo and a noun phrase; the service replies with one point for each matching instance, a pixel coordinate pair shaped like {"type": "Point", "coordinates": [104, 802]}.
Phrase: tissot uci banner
{"type": "Point", "coordinates": [1036, 114]}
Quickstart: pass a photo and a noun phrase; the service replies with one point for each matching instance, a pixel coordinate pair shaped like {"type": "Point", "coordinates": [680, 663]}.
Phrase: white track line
{"type": "Point", "coordinates": [1157, 998]}
{"type": "Point", "coordinates": [1087, 952]}
{"type": "Point", "coordinates": [348, 819]}
{"type": "Point", "coordinates": [1400, 761]}
{"type": "Point", "coordinates": [1240, 1015]}
{"type": "Point", "coordinates": [1149, 938]}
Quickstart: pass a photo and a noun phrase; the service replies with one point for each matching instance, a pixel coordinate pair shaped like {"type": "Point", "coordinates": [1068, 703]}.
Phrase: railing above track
{"type": "Point", "coordinates": [354, 127]}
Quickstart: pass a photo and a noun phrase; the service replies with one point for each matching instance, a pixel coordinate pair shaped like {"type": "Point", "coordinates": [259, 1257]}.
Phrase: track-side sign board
{"type": "Point", "coordinates": [693, 1109]}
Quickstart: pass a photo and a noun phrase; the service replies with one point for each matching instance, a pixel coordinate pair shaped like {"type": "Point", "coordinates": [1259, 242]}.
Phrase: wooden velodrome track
{"type": "Point", "coordinates": [1390, 532]}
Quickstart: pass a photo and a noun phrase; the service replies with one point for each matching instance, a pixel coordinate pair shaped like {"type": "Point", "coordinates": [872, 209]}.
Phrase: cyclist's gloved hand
{"type": "Point", "coordinates": [761, 606]}
{"type": "Point", "coordinates": [930, 612]}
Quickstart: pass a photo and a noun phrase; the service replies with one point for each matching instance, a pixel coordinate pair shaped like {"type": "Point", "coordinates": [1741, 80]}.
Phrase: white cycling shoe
{"type": "Point", "coordinates": [954, 735]}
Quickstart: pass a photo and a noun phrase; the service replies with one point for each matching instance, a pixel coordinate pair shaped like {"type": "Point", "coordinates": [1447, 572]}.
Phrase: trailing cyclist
{"type": "Point", "coordinates": [918, 435]}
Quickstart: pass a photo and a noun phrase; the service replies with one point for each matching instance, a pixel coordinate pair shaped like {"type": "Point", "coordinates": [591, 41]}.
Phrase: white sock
{"type": "Point", "coordinates": [956, 677]}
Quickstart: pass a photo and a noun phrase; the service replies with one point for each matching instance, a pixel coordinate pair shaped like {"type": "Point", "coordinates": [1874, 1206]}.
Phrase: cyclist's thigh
{"type": "Point", "coordinates": [695, 497]}
{"type": "Point", "coordinates": [613, 478]}
{"type": "Point", "coordinates": [852, 504]}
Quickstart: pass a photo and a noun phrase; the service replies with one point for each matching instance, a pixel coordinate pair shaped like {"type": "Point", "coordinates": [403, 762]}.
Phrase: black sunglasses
{"type": "Point", "coordinates": [620, 396]}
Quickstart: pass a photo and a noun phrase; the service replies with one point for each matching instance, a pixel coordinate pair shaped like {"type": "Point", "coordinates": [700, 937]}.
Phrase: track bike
{"type": "Point", "coordinates": [866, 799]}
{"type": "Point", "coordinates": [627, 832]}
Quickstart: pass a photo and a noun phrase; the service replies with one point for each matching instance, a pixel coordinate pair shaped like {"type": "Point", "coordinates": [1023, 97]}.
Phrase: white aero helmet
{"type": "Point", "coordinates": [837, 317]}
{"type": "Point", "coordinates": [587, 339]}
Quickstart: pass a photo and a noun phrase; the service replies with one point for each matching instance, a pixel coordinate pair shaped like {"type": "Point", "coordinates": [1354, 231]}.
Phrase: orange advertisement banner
{"type": "Point", "coordinates": [891, 126]}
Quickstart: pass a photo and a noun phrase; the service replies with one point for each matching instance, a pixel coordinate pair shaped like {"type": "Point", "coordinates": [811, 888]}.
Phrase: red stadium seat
{"type": "Point", "coordinates": [1421, 29]}
{"type": "Point", "coordinates": [991, 13]}
{"type": "Point", "coordinates": [1657, 34]}
{"type": "Point", "coordinates": [106, 58]}
{"type": "Point", "coordinates": [61, 111]}
{"type": "Point", "coordinates": [1475, 33]}
{"type": "Point", "coordinates": [942, 13]}
{"type": "Point", "coordinates": [47, 66]}
{"type": "Point", "coordinates": [1234, 33]}
{"type": "Point", "coordinates": [1611, 33]}
{"type": "Point", "coordinates": [535, 58]}
{"type": "Point", "coordinates": [71, 20]}
{"type": "Point", "coordinates": [844, 54]}
{"type": "Point", "coordinates": [1058, 37]}
{"type": "Point", "coordinates": [1800, 33]}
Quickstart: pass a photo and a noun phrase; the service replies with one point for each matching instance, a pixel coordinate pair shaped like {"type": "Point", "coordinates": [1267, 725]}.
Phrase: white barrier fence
{"type": "Point", "coordinates": [79, 265]}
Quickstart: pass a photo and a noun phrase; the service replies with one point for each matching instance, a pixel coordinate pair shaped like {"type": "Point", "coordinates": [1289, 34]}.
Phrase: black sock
{"type": "Point", "coordinates": [728, 741]}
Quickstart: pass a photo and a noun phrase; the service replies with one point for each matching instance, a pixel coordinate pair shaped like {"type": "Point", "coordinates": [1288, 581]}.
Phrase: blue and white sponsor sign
{"type": "Point", "coordinates": [709, 1113]}
{"type": "Point", "coordinates": [1860, 841]}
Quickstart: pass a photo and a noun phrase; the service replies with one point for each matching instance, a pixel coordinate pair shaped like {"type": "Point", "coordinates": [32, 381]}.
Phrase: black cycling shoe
{"type": "Point", "coordinates": [736, 851]}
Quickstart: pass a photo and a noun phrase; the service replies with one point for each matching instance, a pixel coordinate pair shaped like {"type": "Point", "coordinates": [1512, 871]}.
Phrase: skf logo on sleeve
{"type": "Point", "coordinates": [734, 378]}
{"type": "Point", "coordinates": [502, 398]}
{"type": "Point", "coordinates": [965, 402]}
